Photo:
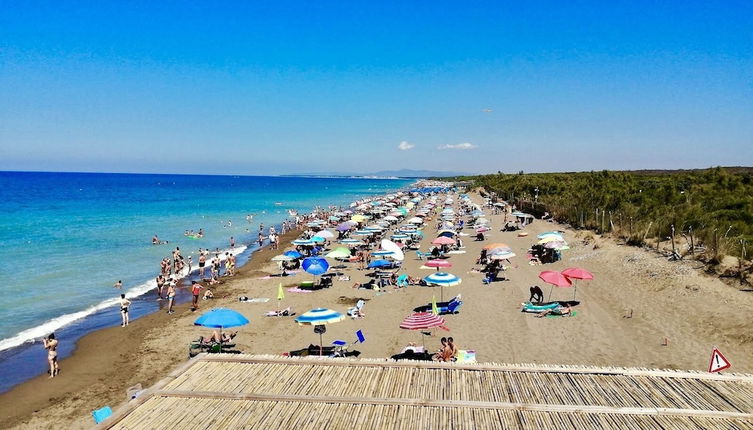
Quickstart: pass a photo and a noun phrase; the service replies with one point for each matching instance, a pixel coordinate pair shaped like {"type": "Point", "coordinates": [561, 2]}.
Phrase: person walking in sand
{"type": "Point", "coordinates": [124, 304]}
{"type": "Point", "coordinates": [170, 298]}
{"type": "Point", "coordinates": [51, 345]}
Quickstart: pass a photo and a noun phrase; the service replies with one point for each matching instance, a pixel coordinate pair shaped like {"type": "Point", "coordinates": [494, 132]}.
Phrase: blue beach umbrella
{"type": "Point", "coordinates": [442, 279]}
{"type": "Point", "coordinates": [315, 265]}
{"type": "Point", "coordinates": [221, 318]}
{"type": "Point", "coordinates": [379, 263]}
{"type": "Point", "coordinates": [318, 239]}
{"type": "Point", "coordinates": [294, 254]}
{"type": "Point", "coordinates": [319, 316]}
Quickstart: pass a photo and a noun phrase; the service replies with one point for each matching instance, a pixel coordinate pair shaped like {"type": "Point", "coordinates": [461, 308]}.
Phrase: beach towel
{"type": "Point", "coordinates": [101, 414]}
{"type": "Point", "coordinates": [245, 299]}
{"type": "Point", "coordinates": [298, 290]}
{"type": "Point", "coordinates": [456, 252]}
{"type": "Point", "coordinates": [466, 356]}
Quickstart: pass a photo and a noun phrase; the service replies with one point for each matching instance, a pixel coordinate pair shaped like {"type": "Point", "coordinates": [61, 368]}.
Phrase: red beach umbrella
{"type": "Point", "coordinates": [422, 321]}
{"type": "Point", "coordinates": [555, 279]}
{"type": "Point", "coordinates": [438, 264]}
{"type": "Point", "coordinates": [443, 240]}
{"type": "Point", "coordinates": [577, 273]}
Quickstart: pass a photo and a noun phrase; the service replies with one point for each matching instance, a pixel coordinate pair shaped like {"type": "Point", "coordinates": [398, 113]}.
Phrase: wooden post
{"type": "Point", "coordinates": [692, 245]}
{"type": "Point", "coordinates": [672, 236]}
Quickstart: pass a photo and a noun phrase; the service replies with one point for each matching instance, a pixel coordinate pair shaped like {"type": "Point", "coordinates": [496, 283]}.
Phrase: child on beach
{"type": "Point", "coordinates": [51, 345]}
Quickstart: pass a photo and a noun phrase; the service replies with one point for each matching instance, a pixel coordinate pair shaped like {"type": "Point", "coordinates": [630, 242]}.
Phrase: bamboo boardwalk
{"type": "Point", "coordinates": [246, 392]}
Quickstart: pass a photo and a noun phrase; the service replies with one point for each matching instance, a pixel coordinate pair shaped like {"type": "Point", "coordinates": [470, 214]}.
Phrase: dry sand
{"type": "Point", "coordinates": [673, 300]}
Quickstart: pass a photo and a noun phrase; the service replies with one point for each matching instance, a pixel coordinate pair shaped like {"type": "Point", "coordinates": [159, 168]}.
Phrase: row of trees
{"type": "Point", "coordinates": [705, 212]}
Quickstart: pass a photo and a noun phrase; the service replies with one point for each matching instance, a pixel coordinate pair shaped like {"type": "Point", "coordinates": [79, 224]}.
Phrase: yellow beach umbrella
{"type": "Point", "coordinates": [358, 218]}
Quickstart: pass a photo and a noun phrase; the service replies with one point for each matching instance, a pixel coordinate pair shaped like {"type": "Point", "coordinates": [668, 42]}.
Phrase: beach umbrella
{"type": "Point", "coordinates": [496, 245]}
{"type": "Point", "coordinates": [415, 220]}
{"type": "Point", "coordinates": [294, 254]}
{"type": "Point", "coordinates": [351, 242]}
{"type": "Point", "coordinates": [379, 263]}
{"type": "Point", "coordinates": [315, 265]}
{"type": "Point", "coordinates": [302, 242]}
{"type": "Point", "coordinates": [422, 321]}
{"type": "Point", "coordinates": [221, 318]}
{"type": "Point", "coordinates": [556, 245]}
{"type": "Point", "coordinates": [381, 253]}
{"type": "Point", "coordinates": [399, 236]}
{"type": "Point", "coordinates": [358, 218]}
{"type": "Point", "coordinates": [443, 279]}
{"type": "Point", "coordinates": [549, 233]}
{"type": "Point", "coordinates": [397, 253]}
{"type": "Point", "coordinates": [319, 316]}
{"type": "Point", "coordinates": [282, 257]}
{"type": "Point", "coordinates": [343, 227]}
{"type": "Point", "coordinates": [547, 239]}
{"type": "Point", "coordinates": [482, 229]}
{"type": "Point", "coordinates": [340, 252]}
{"type": "Point", "coordinates": [556, 279]}
{"type": "Point", "coordinates": [443, 240]}
{"type": "Point", "coordinates": [447, 232]}
{"type": "Point", "coordinates": [438, 263]}
{"type": "Point", "coordinates": [280, 296]}
{"type": "Point", "coordinates": [325, 234]}
{"type": "Point", "coordinates": [318, 239]}
{"type": "Point", "coordinates": [364, 232]}
{"type": "Point", "coordinates": [390, 218]}
{"type": "Point", "coordinates": [503, 255]}
{"type": "Point", "coordinates": [577, 273]}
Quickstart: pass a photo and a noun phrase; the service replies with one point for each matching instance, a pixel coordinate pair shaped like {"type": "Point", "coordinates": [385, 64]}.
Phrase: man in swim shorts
{"type": "Point", "coordinates": [195, 291]}
{"type": "Point", "coordinates": [124, 304]}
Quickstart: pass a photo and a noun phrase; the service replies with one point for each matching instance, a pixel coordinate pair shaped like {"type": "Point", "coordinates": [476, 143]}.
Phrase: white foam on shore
{"type": "Point", "coordinates": [36, 333]}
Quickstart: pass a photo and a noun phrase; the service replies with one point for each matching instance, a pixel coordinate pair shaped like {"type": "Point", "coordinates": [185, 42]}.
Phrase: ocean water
{"type": "Point", "coordinates": [68, 237]}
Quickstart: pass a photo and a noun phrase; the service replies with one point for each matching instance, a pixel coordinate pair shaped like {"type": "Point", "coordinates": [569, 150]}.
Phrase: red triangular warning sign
{"type": "Point", "coordinates": [718, 362]}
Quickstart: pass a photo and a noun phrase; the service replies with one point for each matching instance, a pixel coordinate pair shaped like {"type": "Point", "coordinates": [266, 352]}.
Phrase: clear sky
{"type": "Point", "coordinates": [284, 87]}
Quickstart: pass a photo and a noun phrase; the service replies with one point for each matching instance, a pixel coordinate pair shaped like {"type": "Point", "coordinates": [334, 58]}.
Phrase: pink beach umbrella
{"type": "Point", "coordinates": [577, 273]}
{"type": "Point", "coordinates": [443, 240]}
{"type": "Point", "coordinates": [422, 321]}
{"type": "Point", "coordinates": [556, 279]}
{"type": "Point", "coordinates": [438, 264]}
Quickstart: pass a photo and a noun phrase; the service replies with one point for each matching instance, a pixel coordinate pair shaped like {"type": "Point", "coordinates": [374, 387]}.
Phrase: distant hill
{"type": "Point", "coordinates": [402, 173]}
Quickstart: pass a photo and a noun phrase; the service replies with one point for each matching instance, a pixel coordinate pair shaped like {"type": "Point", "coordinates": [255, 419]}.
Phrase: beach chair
{"type": "Point", "coordinates": [402, 280]}
{"type": "Point", "coordinates": [421, 255]}
{"type": "Point", "coordinates": [101, 414]}
{"type": "Point", "coordinates": [355, 311]}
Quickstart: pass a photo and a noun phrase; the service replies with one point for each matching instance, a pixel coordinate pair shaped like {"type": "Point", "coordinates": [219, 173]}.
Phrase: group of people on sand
{"type": "Point", "coordinates": [447, 352]}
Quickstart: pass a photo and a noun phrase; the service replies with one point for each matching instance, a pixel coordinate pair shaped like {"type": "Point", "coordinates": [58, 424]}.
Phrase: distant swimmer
{"type": "Point", "coordinates": [118, 285]}
{"type": "Point", "coordinates": [249, 218]}
{"type": "Point", "coordinates": [155, 240]}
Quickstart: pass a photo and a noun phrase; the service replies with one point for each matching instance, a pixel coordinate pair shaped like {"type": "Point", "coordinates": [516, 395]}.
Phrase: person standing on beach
{"type": "Point", "coordinates": [232, 242]}
{"type": "Point", "coordinates": [124, 304]}
{"type": "Point", "coordinates": [160, 283]}
{"type": "Point", "coordinates": [195, 291]}
{"type": "Point", "coordinates": [190, 264]}
{"type": "Point", "coordinates": [170, 298]}
{"type": "Point", "coordinates": [202, 263]}
{"type": "Point", "coordinates": [51, 345]}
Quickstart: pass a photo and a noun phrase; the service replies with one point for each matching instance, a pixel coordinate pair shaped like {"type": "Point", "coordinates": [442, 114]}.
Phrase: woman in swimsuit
{"type": "Point", "coordinates": [124, 303]}
{"type": "Point", "coordinates": [170, 298]}
{"type": "Point", "coordinates": [51, 345]}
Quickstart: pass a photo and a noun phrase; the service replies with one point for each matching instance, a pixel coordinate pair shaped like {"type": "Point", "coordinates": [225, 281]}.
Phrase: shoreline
{"type": "Point", "coordinates": [97, 360]}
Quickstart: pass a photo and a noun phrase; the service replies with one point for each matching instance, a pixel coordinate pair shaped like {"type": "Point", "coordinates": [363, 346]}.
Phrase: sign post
{"type": "Point", "coordinates": [718, 362]}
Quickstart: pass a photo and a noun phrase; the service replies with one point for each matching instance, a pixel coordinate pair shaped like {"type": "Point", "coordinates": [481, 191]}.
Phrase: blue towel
{"type": "Point", "coordinates": [101, 414]}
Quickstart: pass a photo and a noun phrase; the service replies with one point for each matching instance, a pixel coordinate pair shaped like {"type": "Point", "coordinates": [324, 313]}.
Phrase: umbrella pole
{"type": "Point", "coordinates": [321, 347]}
{"type": "Point", "coordinates": [550, 293]}
{"type": "Point", "coordinates": [220, 339]}
{"type": "Point", "coordinates": [441, 293]}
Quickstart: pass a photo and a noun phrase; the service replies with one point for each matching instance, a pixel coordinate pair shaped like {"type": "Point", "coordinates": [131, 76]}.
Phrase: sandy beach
{"type": "Point", "coordinates": [636, 301]}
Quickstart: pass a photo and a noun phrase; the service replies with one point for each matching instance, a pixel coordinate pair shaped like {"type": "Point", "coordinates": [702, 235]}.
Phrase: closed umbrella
{"type": "Point", "coordinates": [320, 316]}
{"type": "Point", "coordinates": [221, 318]}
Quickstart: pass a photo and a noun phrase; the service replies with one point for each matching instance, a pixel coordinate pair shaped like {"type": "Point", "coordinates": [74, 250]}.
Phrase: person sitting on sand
{"type": "Point", "coordinates": [559, 310]}
{"type": "Point", "coordinates": [444, 353]}
{"type": "Point", "coordinates": [452, 347]}
{"type": "Point", "coordinates": [208, 294]}
{"type": "Point", "coordinates": [225, 338]}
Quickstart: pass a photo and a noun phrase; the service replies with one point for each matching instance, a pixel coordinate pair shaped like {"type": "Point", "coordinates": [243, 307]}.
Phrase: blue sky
{"type": "Point", "coordinates": [285, 87]}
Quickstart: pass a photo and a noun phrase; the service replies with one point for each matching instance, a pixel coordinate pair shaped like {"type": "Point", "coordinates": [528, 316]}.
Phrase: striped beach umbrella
{"type": "Point", "coordinates": [443, 279]}
{"type": "Point", "coordinates": [302, 242]}
{"type": "Point", "coordinates": [438, 263]}
{"type": "Point", "coordinates": [422, 321]}
{"type": "Point", "coordinates": [502, 255]}
{"type": "Point", "coordinates": [320, 316]}
{"type": "Point", "coordinates": [351, 242]}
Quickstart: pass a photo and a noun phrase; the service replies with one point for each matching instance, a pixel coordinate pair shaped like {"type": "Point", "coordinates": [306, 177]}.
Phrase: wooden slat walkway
{"type": "Point", "coordinates": [252, 391]}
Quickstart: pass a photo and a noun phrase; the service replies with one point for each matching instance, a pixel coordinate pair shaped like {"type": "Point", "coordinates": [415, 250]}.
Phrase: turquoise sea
{"type": "Point", "coordinates": [68, 237]}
